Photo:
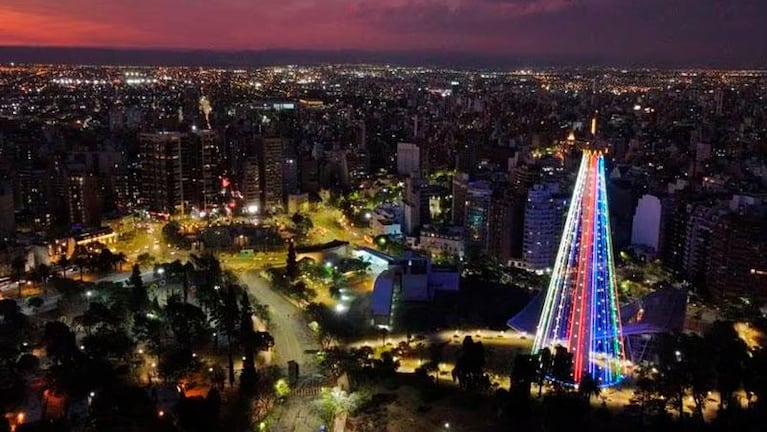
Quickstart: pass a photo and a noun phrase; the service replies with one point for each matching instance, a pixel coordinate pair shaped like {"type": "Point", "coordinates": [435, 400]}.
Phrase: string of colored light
{"type": "Point", "coordinates": [580, 309]}
{"type": "Point", "coordinates": [618, 351]}
{"type": "Point", "coordinates": [561, 266]}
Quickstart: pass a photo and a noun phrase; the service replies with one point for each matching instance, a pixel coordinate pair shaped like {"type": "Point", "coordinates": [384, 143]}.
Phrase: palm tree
{"type": "Point", "coordinates": [730, 354]}
{"type": "Point", "coordinates": [64, 263]}
{"type": "Point", "coordinates": [19, 266]}
{"type": "Point", "coordinates": [588, 387]}
{"type": "Point", "coordinates": [105, 260]}
{"type": "Point", "coordinates": [81, 261]}
{"type": "Point", "coordinates": [188, 268]}
{"type": "Point", "coordinates": [41, 273]}
{"type": "Point", "coordinates": [119, 259]}
{"type": "Point", "coordinates": [544, 368]}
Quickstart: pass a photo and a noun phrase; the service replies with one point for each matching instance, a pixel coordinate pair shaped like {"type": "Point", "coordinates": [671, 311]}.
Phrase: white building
{"type": "Point", "coordinates": [384, 221]}
{"type": "Point", "coordinates": [442, 241]}
{"type": "Point", "coordinates": [544, 216]}
{"type": "Point", "coordinates": [645, 229]}
{"type": "Point", "coordinates": [410, 277]}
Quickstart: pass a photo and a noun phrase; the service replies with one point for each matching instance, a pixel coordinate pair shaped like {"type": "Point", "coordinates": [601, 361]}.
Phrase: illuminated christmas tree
{"type": "Point", "coordinates": [580, 310]}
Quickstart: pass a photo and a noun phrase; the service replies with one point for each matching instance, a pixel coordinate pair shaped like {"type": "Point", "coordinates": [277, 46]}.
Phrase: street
{"type": "Point", "coordinates": [292, 336]}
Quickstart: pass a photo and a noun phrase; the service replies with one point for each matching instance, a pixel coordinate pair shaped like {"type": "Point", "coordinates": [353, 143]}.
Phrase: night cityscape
{"type": "Point", "coordinates": [360, 216]}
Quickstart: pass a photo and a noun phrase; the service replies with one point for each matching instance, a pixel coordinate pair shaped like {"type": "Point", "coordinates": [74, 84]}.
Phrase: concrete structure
{"type": "Point", "coordinates": [507, 211]}
{"type": "Point", "coordinates": [442, 240]}
{"type": "Point", "coordinates": [384, 221]}
{"type": "Point", "coordinates": [272, 178]}
{"type": "Point", "coordinates": [161, 172]}
{"type": "Point", "coordinates": [7, 215]}
{"type": "Point", "coordinates": [645, 230]}
{"type": "Point", "coordinates": [408, 159]}
{"type": "Point", "coordinates": [477, 215]}
{"type": "Point", "coordinates": [460, 187]}
{"type": "Point", "coordinates": [382, 299]}
{"type": "Point", "coordinates": [737, 259]}
{"type": "Point", "coordinates": [201, 169]}
{"type": "Point", "coordinates": [33, 194]}
{"type": "Point", "coordinates": [408, 278]}
{"type": "Point", "coordinates": [330, 251]}
{"type": "Point", "coordinates": [289, 176]}
{"type": "Point", "coordinates": [83, 200]}
{"type": "Point", "coordinates": [250, 183]}
{"type": "Point", "coordinates": [544, 216]}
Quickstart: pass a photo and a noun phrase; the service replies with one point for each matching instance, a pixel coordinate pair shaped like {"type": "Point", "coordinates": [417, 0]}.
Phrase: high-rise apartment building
{"type": "Point", "coordinates": [460, 187]}
{"type": "Point", "coordinates": [179, 172]}
{"type": "Point", "coordinates": [7, 216]}
{"type": "Point", "coordinates": [507, 212]}
{"type": "Point", "coordinates": [646, 226]}
{"type": "Point", "coordinates": [83, 200]}
{"type": "Point", "coordinates": [201, 162]}
{"type": "Point", "coordinates": [34, 201]}
{"type": "Point", "coordinates": [477, 216]}
{"type": "Point", "coordinates": [161, 171]}
{"type": "Point", "coordinates": [544, 212]}
{"type": "Point", "coordinates": [408, 159]}
{"type": "Point", "coordinates": [273, 149]}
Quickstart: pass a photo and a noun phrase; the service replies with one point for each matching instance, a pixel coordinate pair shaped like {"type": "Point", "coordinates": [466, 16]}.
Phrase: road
{"type": "Point", "coordinates": [292, 336]}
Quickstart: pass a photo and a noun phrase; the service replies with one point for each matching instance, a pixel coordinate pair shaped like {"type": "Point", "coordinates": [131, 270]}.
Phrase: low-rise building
{"type": "Point", "coordinates": [446, 240]}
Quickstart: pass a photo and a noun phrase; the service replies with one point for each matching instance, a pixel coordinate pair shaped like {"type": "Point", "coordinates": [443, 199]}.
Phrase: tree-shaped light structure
{"type": "Point", "coordinates": [580, 310]}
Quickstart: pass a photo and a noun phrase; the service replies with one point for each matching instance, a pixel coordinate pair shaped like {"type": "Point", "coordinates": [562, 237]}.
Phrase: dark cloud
{"type": "Point", "coordinates": [726, 32]}
{"type": "Point", "coordinates": [642, 31]}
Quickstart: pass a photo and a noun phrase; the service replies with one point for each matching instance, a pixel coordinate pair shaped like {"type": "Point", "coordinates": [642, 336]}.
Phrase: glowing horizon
{"type": "Point", "coordinates": [616, 31]}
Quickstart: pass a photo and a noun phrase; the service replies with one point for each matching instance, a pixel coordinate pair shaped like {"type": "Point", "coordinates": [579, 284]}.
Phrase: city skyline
{"type": "Point", "coordinates": [495, 32]}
